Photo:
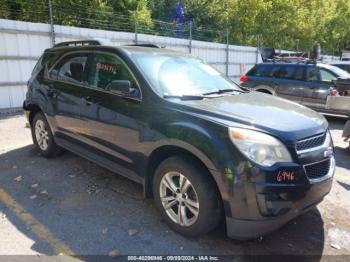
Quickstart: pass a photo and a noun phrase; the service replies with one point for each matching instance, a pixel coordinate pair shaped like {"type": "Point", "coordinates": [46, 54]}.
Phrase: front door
{"type": "Point", "coordinates": [318, 82]}
{"type": "Point", "coordinates": [290, 82]}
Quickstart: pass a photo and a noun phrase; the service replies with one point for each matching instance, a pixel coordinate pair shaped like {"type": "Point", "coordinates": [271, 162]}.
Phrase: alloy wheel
{"type": "Point", "coordinates": [179, 198]}
{"type": "Point", "coordinates": [41, 135]}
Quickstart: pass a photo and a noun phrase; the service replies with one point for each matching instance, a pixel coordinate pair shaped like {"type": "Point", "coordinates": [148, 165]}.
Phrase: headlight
{"type": "Point", "coordinates": [259, 147]}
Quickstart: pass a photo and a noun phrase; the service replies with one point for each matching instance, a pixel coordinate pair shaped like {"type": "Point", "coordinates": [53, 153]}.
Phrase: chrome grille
{"type": "Point", "coordinates": [311, 142]}
{"type": "Point", "coordinates": [317, 170]}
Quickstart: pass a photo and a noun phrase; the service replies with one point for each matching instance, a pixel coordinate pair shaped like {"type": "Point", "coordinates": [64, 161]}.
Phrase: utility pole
{"type": "Point", "coordinates": [135, 27]}
{"type": "Point", "coordinates": [227, 49]}
{"type": "Point", "coordinates": [52, 28]}
{"type": "Point", "coordinates": [190, 38]}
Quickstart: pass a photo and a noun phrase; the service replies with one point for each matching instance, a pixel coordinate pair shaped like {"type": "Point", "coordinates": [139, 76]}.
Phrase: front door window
{"type": "Point", "coordinates": [105, 68]}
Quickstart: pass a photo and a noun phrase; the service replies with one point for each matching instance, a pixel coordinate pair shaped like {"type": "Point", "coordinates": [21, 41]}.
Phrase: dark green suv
{"type": "Point", "coordinates": [204, 148]}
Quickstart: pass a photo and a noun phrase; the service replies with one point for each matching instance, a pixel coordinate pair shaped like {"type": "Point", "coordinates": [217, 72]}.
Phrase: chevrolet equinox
{"type": "Point", "coordinates": [204, 148]}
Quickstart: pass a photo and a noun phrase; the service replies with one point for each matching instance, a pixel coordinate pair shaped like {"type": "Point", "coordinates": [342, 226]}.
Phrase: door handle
{"type": "Point", "coordinates": [89, 101]}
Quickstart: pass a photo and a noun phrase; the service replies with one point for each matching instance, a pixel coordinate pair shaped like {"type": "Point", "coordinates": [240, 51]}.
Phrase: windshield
{"type": "Point", "coordinates": [339, 72]}
{"type": "Point", "coordinates": [181, 75]}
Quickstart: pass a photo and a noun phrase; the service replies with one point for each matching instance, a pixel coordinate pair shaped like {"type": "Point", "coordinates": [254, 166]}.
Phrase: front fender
{"type": "Point", "coordinates": [207, 141]}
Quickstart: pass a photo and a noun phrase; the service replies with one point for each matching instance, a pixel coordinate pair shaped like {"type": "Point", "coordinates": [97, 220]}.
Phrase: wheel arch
{"type": "Point", "coordinates": [163, 152]}
{"type": "Point", "coordinates": [33, 110]}
{"type": "Point", "coordinates": [265, 89]}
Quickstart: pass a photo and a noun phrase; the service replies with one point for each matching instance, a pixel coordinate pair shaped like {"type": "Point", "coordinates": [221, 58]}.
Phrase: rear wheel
{"type": "Point", "coordinates": [42, 136]}
{"type": "Point", "coordinates": [186, 197]}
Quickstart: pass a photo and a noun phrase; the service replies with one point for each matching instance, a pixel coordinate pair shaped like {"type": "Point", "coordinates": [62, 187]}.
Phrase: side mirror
{"type": "Point", "coordinates": [120, 86]}
{"type": "Point", "coordinates": [123, 87]}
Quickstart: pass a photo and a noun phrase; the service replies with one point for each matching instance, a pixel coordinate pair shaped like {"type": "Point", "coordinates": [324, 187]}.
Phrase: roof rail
{"type": "Point", "coordinates": [78, 43]}
{"type": "Point", "coordinates": [145, 45]}
{"type": "Point", "coordinates": [293, 58]}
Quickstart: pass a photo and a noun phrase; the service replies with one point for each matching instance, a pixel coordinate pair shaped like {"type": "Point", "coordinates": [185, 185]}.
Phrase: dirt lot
{"type": "Point", "coordinates": [70, 205]}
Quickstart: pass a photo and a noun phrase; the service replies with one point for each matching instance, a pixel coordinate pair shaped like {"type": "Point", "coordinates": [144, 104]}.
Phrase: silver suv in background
{"type": "Point", "coordinates": [305, 83]}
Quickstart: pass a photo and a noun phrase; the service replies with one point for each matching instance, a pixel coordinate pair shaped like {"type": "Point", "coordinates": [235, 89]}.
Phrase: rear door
{"type": "Point", "coordinates": [66, 80]}
{"type": "Point", "coordinates": [290, 82]}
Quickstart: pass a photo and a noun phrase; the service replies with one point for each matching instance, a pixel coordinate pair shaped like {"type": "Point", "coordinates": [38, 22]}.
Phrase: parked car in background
{"type": "Point", "coordinates": [342, 102]}
{"type": "Point", "coordinates": [345, 56]}
{"type": "Point", "coordinates": [203, 147]}
{"type": "Point", "coordinates": [345, 65]}
{"type": "Point", "coordinates": [304, 83]}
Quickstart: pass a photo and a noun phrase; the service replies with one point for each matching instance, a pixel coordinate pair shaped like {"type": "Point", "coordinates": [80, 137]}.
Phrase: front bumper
{"type": "Point", "coordinates": [269, 206]}
{"type": "Point", "coordinates": [248, 229]}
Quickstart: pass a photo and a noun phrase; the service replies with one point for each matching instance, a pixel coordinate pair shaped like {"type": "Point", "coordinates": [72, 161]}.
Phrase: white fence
{"type": "Point", "coordinates": [21, 44]}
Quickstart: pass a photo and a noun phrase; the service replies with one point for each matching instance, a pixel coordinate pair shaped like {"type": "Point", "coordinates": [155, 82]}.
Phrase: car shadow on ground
{"type": "Point", "coordinates": [93, 211]}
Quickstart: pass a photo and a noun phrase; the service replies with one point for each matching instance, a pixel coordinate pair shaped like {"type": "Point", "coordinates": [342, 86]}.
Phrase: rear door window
{"type": "Point", "coordinates": [71, 69]}
{"type": "Point", "coordinates": [285, 72]}
{"type": "Point", "coordinates": [312, 74]}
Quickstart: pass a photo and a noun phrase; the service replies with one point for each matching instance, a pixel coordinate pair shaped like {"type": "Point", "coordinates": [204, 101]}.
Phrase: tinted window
{"type": "Point", "coordinates": [285, 72]}
{"type": "Point", "coordinates": [326, 76]}
{"type": "Point", "coordinates": [312, 74]}
{"type": "Point", "coordinates": [263, 71]}
{"type": "Point", "coordinates": [106, 68]}
{"type": "Point", "coordinates": [41, 62]}
{"type": "Point", "coordinates": [299, 73]}
{"type": "Point", "coordinates": [70, 69]}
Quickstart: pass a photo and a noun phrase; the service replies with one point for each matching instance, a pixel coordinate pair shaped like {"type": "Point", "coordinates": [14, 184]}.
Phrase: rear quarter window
{"type": "Point", "coordinates": [44, 59]}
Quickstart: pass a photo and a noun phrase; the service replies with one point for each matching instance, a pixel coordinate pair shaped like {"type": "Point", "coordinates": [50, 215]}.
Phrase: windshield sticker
{"type": "Point", "coordinates": [107, 67]}
{"type": "Point", "coordinates": [208, 69]}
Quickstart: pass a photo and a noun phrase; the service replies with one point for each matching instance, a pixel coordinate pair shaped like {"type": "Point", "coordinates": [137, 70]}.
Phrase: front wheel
{"type": "Point", "coordinates": [186, 197]}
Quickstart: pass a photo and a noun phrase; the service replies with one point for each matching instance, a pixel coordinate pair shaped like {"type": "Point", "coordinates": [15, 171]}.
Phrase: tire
{"type": "Point", "coordinates": [202, 193]}
{"type": "Point", "coordinates": [43, 138]}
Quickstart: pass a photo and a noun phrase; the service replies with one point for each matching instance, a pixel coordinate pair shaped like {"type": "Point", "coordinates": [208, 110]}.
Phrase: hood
{"type": "Point", "coordinates": [285, 119]}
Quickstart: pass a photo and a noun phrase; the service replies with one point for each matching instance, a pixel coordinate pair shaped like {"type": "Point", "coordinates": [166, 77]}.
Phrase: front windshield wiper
{"type": "Point", "coordinates": [185, 97]}
{"type": "Point", "coordinates": [222, 91]}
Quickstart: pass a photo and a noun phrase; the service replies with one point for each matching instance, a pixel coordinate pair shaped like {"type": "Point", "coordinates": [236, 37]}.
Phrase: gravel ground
{"type": "Point", "coordinates": [68, 204]}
